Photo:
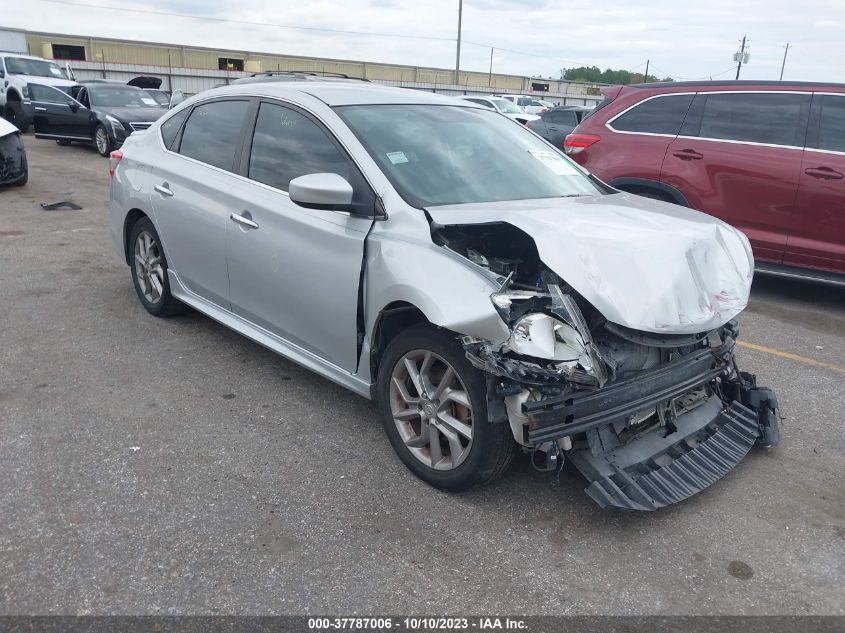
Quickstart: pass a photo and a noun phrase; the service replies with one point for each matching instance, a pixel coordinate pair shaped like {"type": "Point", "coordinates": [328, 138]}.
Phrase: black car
{"type": "Point", "coordinates": [553, 125]}
{"type": "Point", "coordinates": [99, 113]}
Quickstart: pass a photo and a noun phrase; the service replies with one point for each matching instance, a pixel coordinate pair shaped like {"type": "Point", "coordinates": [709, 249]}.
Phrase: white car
{"type": "Point", "coordinates": [529, 104]}
{"type": "Point", "coordinates": [16, 72]}
{"type": "Point", "coordinates": [505, 107]}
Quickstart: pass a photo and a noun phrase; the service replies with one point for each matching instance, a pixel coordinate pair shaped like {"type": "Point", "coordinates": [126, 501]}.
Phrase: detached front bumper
{"type": "Point", "coordinates": [670, 462]}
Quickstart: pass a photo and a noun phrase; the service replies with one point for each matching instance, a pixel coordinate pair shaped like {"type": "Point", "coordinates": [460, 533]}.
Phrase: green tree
{"type": "Point", "coordinates": [593, 74]}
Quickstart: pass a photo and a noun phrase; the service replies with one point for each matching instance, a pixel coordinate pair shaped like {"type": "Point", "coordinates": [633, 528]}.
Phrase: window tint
{"type": "Point", "coordinates": [660, 115]}
{"type": "Point", "coordinates": [287, 144]}
{"type": "Point", "coordinates": [832, 124]}
{"type": "Point", "coordinates": [170, 128]}
{"type": "Point", "coordinates": [777, 119]}
{"type": "Point", "coordinates": [483, 102]}
{"type": "Point", "coordinates": [213, 131]}
{"type": "Point", "coordinates": [564, 117]}
{"type": "Point", "coordinates": [46, 94]}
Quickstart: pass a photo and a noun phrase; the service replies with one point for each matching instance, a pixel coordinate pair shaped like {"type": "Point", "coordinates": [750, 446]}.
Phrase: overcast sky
{"type": "Point", "coordinates": [683, 39]}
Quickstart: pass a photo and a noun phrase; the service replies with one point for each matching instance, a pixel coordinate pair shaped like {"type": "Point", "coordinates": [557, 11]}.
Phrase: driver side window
{"type": "Point", "coordinates": [46, 94]}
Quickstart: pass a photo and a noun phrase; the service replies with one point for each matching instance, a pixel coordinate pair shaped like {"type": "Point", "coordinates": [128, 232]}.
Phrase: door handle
{"type": "Point", "coordinates": [824, 173]}
{"type": "Point", "coordinates": [239, 219]}
{"type": "Point", "coordinates": [163, 189]}
{"type": "Point", "coordinates": [687, 154]}
{"type": "Point", "coordinates": [40, 109]}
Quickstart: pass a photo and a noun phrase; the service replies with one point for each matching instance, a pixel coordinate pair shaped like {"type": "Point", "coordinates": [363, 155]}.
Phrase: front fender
{"type": "Point", "coordinates": [450, 291]}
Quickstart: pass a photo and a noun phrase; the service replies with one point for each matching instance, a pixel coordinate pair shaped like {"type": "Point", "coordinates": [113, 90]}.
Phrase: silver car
{"type": "Point", "coordinates": [489, 294]}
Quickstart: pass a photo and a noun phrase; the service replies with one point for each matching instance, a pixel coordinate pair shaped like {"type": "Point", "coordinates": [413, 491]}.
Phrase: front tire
{"type": "Point", "coordinates": [434, 409]}
{"type": "Point", "coordinates": [102, 141]}
{"type": "Point", "coordinates": [149, 270]}
{"type": "Point", "coordinates": [14, 114]}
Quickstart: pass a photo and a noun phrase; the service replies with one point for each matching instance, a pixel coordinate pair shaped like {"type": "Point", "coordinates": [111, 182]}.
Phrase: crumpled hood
{"type": "Point", "coordinates": [644, 264]}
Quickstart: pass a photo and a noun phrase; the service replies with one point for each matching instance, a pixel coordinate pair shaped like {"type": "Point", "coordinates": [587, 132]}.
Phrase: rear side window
{"type": "Point", "coordinates": [659, 115]}
{"type": "Point", "coordinates": [170, 128]}
{"type": "Point", "coordinates": [564, 117]}
{"type": "Point", "coordinates": [832, 124]}
{"type": "Point", "coordinates": [213, 132]}
{"type": "Point", "coordinates": [771, 118]}
{"type": "Point", "coordinates": [287, 144]}
{"type": "Point", "coordinates": [486, 104]}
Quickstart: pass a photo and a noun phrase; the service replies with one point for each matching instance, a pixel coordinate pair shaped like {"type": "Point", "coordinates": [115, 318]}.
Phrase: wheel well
{"type": "Point", "coordinates": [12, 95]}
{"type": "Point", "coordinates": [650, 189]}
{"type": "Point", "coordinates": [393, 319]}
{"type": "Point", "coordinates": [131, 219]}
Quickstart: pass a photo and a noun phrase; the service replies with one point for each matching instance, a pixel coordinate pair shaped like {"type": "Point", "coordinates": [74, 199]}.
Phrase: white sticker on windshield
{"type": "Point", "coordinates": [149, 101]}
{"type": "Point", "coordinates": [554, 161]}
{"type": "Point", "coordinates": [397, 157]}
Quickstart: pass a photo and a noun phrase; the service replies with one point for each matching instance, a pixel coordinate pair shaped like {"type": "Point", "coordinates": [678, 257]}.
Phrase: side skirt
{"type": "Point", "coordinates": [269, 340]}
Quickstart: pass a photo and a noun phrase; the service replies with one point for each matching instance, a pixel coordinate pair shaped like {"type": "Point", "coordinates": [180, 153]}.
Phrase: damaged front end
{"type": "Point", "coordinates": [13, 164]}
{"type": "Point", "coordinates": [648, 418]}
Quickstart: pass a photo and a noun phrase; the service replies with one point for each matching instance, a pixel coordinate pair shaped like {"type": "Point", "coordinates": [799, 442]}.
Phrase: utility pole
{"type": "Point", "coordinates": [458, 57]}
{"type": "Point", "coordinates": [784, 61]}
{"type": "Point", "coordinates": [740, 57]}
{"type": "Point", "coordinates": [490, 77]}
{"type": "Point", "coordinates": [645, 77]}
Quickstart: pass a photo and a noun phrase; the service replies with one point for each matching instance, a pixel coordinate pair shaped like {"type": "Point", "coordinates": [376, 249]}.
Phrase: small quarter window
{"type": "Point", "coordinates": [170, 128]}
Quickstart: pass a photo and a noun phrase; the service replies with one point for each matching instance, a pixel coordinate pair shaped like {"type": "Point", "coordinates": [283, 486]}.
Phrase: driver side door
{"type": "Point", "coordinates": [58, 115]}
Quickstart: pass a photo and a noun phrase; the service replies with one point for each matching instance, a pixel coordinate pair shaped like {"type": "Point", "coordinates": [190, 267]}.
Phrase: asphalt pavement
{"type": "Point", "coordinates": [172, 466]}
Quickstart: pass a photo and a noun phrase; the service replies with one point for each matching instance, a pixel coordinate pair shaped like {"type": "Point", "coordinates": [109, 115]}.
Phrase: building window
{"type": "Point", "coordinates": [537, 87]}
{"type": "Point", "coordinates": [226, 63]}
{"type": "Point", "coordinates": [66, 51]}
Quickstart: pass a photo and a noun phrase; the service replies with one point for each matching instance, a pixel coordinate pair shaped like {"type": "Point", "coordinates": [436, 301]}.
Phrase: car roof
{"type": "Point", "coordinates": [733, 83]}
{"type": "Point", "coordinates": [22, 56]}
{"type": "Point", "coordinates": [340, 93]}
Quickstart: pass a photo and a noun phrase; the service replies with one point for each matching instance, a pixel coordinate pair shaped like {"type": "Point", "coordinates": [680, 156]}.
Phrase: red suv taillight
{"type": "Point", "coordinates": [114, 159]}
{"type": "Point", "coordinates": [575, 143]}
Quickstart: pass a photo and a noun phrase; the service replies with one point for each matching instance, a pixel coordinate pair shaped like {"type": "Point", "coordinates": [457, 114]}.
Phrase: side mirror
{"type": "Point", "coordinates": [73, 106]}
{"type": "Point", "coordinates": [2, 73]}
{"type": "Point", "coordinates": [176, 97]}
{"type": "Point", "coordinates": [321, 191]}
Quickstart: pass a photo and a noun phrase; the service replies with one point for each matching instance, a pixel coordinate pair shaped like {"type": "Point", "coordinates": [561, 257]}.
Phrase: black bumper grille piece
{"type": "Point", "coordinates": [694, 467]}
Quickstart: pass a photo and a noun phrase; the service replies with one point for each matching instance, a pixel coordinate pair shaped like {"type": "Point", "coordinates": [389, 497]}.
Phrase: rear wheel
{"type": "Point", "coordinates": [149, 270]}
{"type": "Point", "coordinates": [434, 410]}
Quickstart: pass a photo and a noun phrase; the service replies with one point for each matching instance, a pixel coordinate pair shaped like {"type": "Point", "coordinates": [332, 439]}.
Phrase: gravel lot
{"type": "Point", "coordinates": [174, 467]}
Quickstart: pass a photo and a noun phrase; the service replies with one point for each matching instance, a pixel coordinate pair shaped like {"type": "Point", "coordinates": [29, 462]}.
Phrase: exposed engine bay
{"type": "Point", "coordinates": [648, 418]}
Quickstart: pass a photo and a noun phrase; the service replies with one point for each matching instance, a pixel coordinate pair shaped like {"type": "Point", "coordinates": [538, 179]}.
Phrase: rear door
{"type": "Point", "coordinates": [738, 157]}
{"type": "Point", "coordinates": [818, 237]}
{"type": "Point", "coordinates": [57, 115]}
{"type": "Point", "coordinates": [297, 271]}
{"type": "Point", "coordinates": [559, 123]}
{"type": "Point", "coordinates": [645, 131]}
{"type": "Point", "coordinates": [195, 189]}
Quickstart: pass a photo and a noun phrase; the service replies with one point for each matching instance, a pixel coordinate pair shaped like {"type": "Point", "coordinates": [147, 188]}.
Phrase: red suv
{"type": "Point", "coordinates": [768, 158]}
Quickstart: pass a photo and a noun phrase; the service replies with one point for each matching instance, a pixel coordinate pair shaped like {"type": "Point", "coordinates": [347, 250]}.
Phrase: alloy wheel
{"type": "Point", "coordinates": [102, 140]}
{"type": "Point", "coordinates": [431, 409]}
{"type": "Point", "coordinates": [148, 267]}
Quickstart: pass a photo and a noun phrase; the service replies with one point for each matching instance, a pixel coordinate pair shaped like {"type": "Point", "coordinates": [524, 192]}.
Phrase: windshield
{"type": "Point", "coordinates": [437, 155]}
{"type": "Point", "coordinates": [506, 106]}
{"type": "Point", "coordinates": [160, 96]}
{"type": "Point", "coordinates": [34, 67]}
{"type": "Point", "coordinates": [121, 97]}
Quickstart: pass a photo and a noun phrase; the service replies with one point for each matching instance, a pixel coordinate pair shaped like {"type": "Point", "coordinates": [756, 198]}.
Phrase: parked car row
{"type": "Point", "coordinates": [769, 158]}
